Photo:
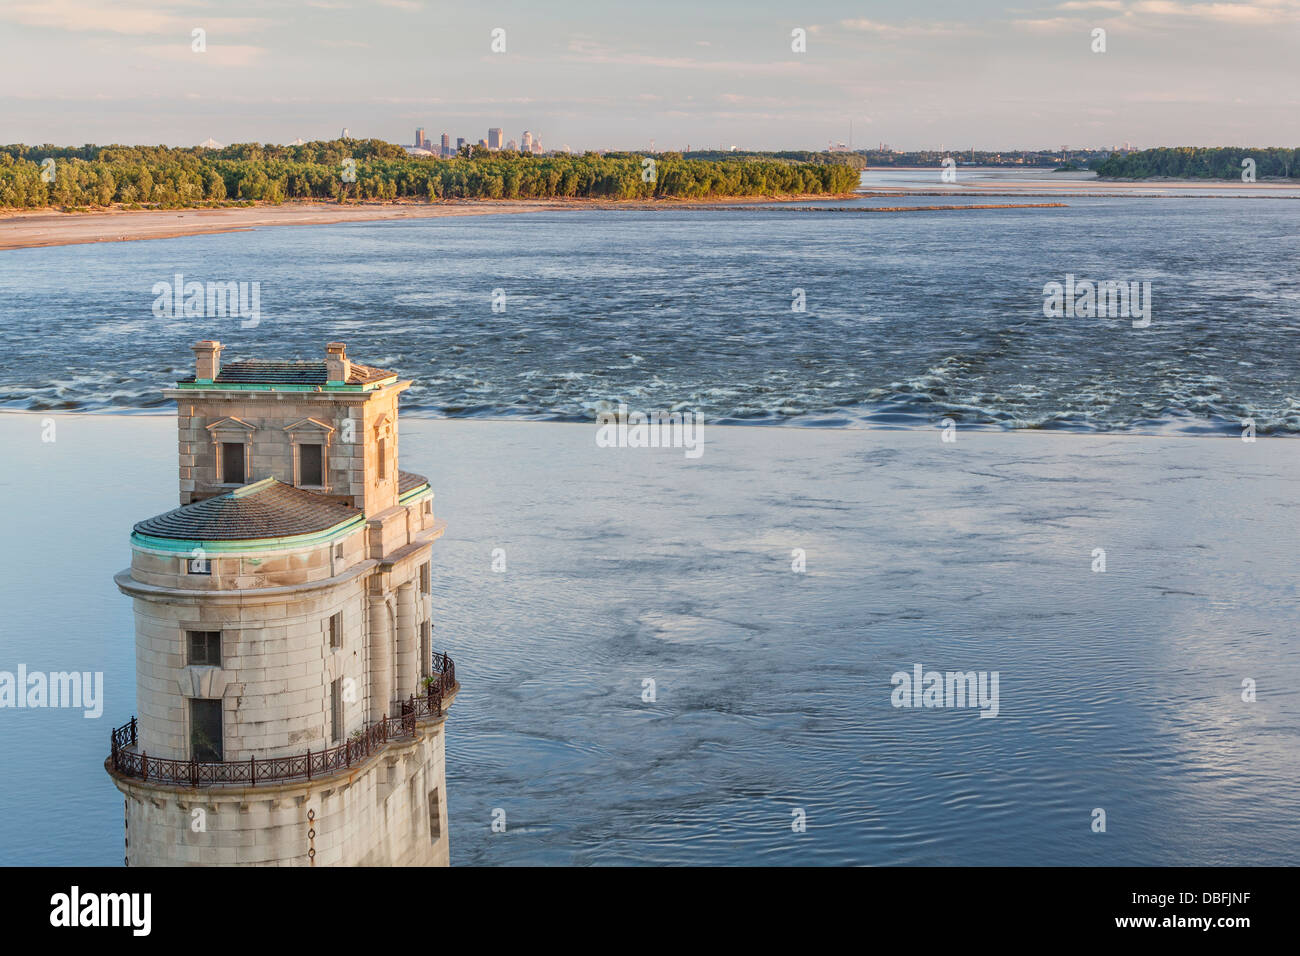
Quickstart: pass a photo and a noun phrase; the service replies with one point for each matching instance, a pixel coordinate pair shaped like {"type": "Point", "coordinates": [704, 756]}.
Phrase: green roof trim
{"type": "Point", "coordinates": [246, 545]}
{"type": "Point", "coordinates": [252, 488]}
{"type": "Point", "coordinates": [414, 493]}
{"type": "Point", "coordinates": [248, 387]}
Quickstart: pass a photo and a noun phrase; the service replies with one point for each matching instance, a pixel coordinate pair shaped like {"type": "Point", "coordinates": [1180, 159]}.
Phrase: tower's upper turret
{"type": "Point", "coordinates": [328, 426]}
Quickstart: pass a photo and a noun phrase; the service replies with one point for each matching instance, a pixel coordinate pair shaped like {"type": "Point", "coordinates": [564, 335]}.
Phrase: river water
{"type": "Point", "coordinates": [908, 317]}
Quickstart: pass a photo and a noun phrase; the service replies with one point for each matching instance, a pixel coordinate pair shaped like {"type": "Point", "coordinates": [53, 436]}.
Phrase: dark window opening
{"type": "Point", "coordinates": [425, 579]}
{"type": "Point", "coordinates": [435, 816]}
{"type": "Point", "coordinates": [336, 630]}
{"type": "Point", "coordinates": [309, 466]}
{"type": "Point", "coordinates": [205, 647]}
{"type": "Point", "coordinates": [205, 729]}
{"type": "Point", "coordinates": [383, 458]}
{"type": "Point", "coordinates": [426, 648]}
{"type": "Point", "coordinates": [232, 462]}
{"type": "Point", "coordinates": [336, 711]}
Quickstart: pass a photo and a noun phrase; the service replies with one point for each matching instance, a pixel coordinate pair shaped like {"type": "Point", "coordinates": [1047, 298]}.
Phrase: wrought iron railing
{"type": "Point", "coordinates": [320, 763]}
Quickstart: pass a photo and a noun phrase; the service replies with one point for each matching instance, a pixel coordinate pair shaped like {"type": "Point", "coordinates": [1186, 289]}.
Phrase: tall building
{"type": "Point", "coordinates": [345, 134]}
{"type": "Point", "coordinates": [291, 708]}
{"type": "Point", "coordinates": [460, 143]}
{"type": "Point", "coordinates": [494, 137]}
{"type": "Point", "coordinates": [446, 146]}
{"type": "Point", "coordinates": [419, 138]}
{"type": "Point", "coordinates": [527, 141]}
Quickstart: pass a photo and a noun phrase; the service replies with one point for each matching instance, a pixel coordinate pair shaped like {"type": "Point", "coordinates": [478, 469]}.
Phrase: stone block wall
{"type": "Point", "coordinates": [390, 811]}
{"type": "Point", "coordinates": [354, 423]}
{"type": "Point", "coordinates": [277, 662]}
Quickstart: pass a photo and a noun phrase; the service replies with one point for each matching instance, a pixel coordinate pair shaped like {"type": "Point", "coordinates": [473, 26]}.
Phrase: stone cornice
{"type": "Point", "coordinates": [156, 592]}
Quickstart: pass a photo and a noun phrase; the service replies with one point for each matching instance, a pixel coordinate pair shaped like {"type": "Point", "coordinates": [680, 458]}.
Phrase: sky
{"type": "Point", "coordinates": [666, 74]}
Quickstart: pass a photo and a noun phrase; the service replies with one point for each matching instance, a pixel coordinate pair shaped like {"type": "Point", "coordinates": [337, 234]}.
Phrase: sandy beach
{"type": "Point", "coordinates": [22, 229]}
{"type": "Point", "coordinates": [1119, 689]}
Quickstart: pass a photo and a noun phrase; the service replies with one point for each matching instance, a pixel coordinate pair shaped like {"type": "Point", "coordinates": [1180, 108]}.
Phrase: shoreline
{"type": "Point", "coordinates": [129, 414]}
{"type": "Point", "coordinates": [38, 228]}
{"type": "Point", "coordinates": [47, 227]}
{"type": "Point", "coordinates": [880, 192]}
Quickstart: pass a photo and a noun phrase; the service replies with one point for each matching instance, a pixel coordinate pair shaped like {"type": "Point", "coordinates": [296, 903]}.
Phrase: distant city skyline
{"type": "Point", "coordinates": [982, 74]}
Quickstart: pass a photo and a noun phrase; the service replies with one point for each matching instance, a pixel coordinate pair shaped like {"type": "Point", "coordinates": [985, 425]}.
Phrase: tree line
{"type": "Point", "coordinates": [823, 157]}
{"type": "Point", "coordinates": [1201, 162]}
{"type": "Point", "coordinates": [341, 170]}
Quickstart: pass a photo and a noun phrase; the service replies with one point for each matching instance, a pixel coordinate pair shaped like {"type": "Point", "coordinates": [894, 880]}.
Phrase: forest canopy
{"type": "Point", "coordinates": [176, 177]}
{"type": "Point", "coordinates": [1201, 162]}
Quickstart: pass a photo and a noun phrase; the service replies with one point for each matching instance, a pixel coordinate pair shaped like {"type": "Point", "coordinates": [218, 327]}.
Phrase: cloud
{"type": "Point", "coordinates": [584, 49]}
{"type": "Point", "coordinates": [220, 55]}
{"type": "Point", "coordinates": [77, 16]}
{"type": "Point", "coordinates": [913, 28]}
{"type": "Point", "coordinates": [1052, 25]}
{"type": "Point", "coordinates": [1247, 12]}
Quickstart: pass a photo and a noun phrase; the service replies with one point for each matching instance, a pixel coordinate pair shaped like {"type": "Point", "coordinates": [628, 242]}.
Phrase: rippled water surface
{"type": "Point", "coordinates": [910, 317]}
{"type": "Point", "coordinates": [1119, 690]}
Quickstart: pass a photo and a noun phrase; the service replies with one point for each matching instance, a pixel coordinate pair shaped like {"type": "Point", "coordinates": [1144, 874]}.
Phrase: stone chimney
{"type": "Point", "coordinates": [207, 360]}
{"type": "Point", "coordinates": [337, 366]}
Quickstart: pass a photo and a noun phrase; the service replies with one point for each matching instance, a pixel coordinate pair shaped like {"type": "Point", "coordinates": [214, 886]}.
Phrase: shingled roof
{"type": "Point", "coordinates": [252, 372]}
{"type": "Point", "coordinates": [264, 509]}
{"type": "Point", "coordinates": [409, 480]}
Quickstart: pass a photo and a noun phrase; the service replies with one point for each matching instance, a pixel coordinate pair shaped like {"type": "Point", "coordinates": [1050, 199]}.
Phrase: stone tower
{"type": "Point", "coordinates": [291, 707]}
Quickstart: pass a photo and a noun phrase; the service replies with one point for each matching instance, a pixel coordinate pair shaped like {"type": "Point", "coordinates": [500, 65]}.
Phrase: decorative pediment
{"type": "Point", "coordinates": [309, 428]}
{"type": "Point", "coordinates": [231, 426]}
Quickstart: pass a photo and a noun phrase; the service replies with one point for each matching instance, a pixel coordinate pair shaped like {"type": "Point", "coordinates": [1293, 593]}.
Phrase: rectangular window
{"type": "Point", "coordinates": [336, 630]}
{"type": "Point", "coordinates": [205, 647]}
{"type": "Point", "coordinates": [206, 741]}
{"type": "Point", "coordinates": [336, 711]}
{"type": "Point", "coordinates": [426, 650]}
{"type": "Point", "coordinates": [309, 466]}
{"type": "Point", "coordinates": [435, 816]}
{"type": "Point", "coordinates": [383, 458]}
{"type": "Point", "coordinates": [425, 579]}
{"type": "Point", "coordinates": [232, 462]}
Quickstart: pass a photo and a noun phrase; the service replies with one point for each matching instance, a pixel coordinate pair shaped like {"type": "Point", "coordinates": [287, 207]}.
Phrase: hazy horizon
{"type": "Point", "coordinates": [958, 75]}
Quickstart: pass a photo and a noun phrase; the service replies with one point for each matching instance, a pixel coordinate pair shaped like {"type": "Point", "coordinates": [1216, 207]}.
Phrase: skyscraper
{"type": "Point", "coordinates": [494, 137]}
{"type": "Point", "coordinates": [446, 146]}
{"type": "Point", "coordinates": [420, 141]}
{"type": "Point", "coordinates": [527, 142]}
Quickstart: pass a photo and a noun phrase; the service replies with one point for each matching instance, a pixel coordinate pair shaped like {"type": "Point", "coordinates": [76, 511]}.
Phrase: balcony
{"type": "Point", "coordinates": [125, 761]}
